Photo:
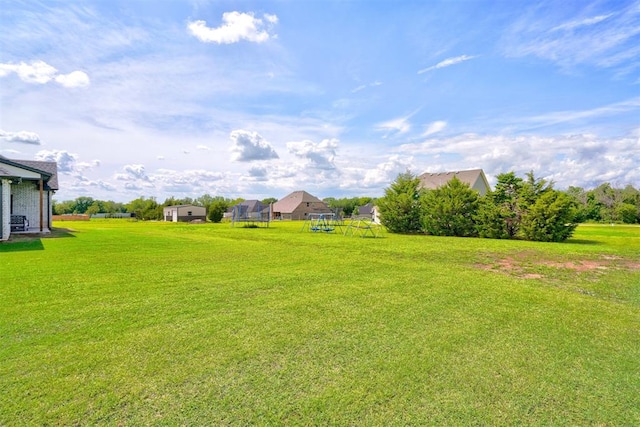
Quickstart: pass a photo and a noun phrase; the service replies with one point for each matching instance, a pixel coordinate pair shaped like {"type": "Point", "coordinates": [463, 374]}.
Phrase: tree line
{"type": "Point", "coordinates": [147, 208]}
{"type": "Point", "coordinates": [150, 209]}
{"type": "Point", "coordinates": [510, 211]}
{"type": "Point", "coordinates": [519, 207]}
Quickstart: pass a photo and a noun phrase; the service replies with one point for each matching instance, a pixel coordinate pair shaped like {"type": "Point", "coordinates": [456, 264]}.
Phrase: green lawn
{"type": "Point", "coordinates": [131, 323]}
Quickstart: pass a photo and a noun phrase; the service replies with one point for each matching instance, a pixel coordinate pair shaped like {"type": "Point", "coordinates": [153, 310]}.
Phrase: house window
{"type": "Point", "coordinates": [307, 204]}
{"type": "Point", "coordinates": [189, 213]}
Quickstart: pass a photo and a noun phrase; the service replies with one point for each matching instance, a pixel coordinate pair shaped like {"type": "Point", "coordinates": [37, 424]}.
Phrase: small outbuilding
{"type": "Point", "coordinates": [184, 213]}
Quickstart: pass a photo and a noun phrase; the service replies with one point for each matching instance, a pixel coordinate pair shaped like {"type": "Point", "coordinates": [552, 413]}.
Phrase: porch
{"type": "Point", "coordinates": [33, 230]}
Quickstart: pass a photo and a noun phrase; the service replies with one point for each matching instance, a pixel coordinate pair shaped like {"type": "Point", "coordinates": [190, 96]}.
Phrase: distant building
{"type": "Point", "coordinates": [369, 211]}
{"type": "Point", "coordinates": [475, 178]}
{"type": "Point", "coordinates": [298, 205]}
{"type": "Point", "coordinates": [184, 213]}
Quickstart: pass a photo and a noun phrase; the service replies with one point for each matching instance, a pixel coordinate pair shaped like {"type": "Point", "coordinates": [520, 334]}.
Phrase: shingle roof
{"type": "Point", "coordinates": [435, 180]}
{"type": "Point", "coordinates": [289, 203]}
{"type": "Point", "coordinates": [365, 209]}
{"type": "Point", "coordinates": [49, 168]}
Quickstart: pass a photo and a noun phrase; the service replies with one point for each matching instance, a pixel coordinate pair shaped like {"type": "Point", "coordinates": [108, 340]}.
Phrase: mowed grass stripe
{"type": "Point", "coordinates": [151, 323]}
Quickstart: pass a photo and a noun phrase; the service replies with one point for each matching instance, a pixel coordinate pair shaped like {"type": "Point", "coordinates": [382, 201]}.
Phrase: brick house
{"type": "Point", "coordinates": [298, 205]}
{"type": "Point", "coordinates": [26, 192]}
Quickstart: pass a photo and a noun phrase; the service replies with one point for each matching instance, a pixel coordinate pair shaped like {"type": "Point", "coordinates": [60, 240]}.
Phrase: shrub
{"type": "Point", "coordinates": [400, 206]}
{"type": "Point", "coordinates": [550, 218]}
{"type": "Point", "coordinates": [450, 210]}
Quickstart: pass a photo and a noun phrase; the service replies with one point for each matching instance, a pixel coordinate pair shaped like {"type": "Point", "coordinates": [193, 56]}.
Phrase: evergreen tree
{"type": "Point", "coordinates": [450, 210]}
{"type": "Point", "coordinates": [491, 221]}
{"type": "Point", "coordinates": [400, 206]}
{"type": "Point", "coordinates": [550, 218]}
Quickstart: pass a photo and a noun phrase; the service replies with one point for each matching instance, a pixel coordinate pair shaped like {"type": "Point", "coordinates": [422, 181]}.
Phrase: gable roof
{"type": "Point", "coordinates": [289, 203]}
{"type": "Point", "coordinates": [365, 209]}
{"type": "Point", "coordinates": [474, 177]}
{"type": "Point", "coordinates": [48, 169]}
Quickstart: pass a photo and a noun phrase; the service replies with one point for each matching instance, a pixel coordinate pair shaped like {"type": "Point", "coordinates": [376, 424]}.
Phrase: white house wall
{"type": "Point", "coordinates": [5, 195]}
{"type": "Point", "coordinates": [183, 211]}
{"type": "Point", "coordinates": [26, 201]}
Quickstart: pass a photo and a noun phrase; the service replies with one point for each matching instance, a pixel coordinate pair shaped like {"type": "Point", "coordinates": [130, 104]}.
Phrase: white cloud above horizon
{"type": "Point", "coordinates": [606, 40]}
{"type": "Point", "coordinates": [39, 72]}
{"type": "Point", "coordinates": [250, 146]}
{"type": "Point", "coordinates": [236, 27]}
{"type": "Point", "coordinates": [246, 116]}
{"type": "Point", "coordinates": [320, 156]}
{"type": "Point", "coordinates": [448, 62]}
{"type": "Point", "coordinates": [434, 127]}
{"type": "Point", "coordinates": [23, 137]}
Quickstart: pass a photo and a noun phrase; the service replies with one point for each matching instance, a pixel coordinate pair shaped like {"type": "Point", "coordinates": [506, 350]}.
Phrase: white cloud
{"type": "Point", "coordinates": [362, 87]}
{"type": "Point", "coordinates": [236, 26]}
{"type": "Point", "coordinates": [258, 173]}
{"type": "Point", "coordinates": [571, 25]}
{"type": "Point", "coordinates": [195, 182]}
{"type": "Point", "coordinates": [23, 137]}
{"type": "Point", "coordinates": [36, 72]}
{"type": "Point", "coordinates": [136, 172]}
{"type": "Point", "coordinates": [271, 18]}
{"type": "Point", "coordinates": [40, 72]}
{"type": "Point", "coordinates": [386, 172]}
{"type": "Point", "coordinates": [66, 161]}
{"type": "Point", "coordinates": [73, 79]}
{"type": "Point", "coordinates": [557, 117]}
{"type": "Point", "coordinates": [320, 156]}
{"type": "Point", "coordinates": [249, 146]}
{"type": "Point", "coordinates": [434, 127]}
{"type": "Point", "coordinates": [606, 40]}
{"type": "Point", "coordinates": [397, 126]}
{"type": "Point", "coordinates": [581, 159]}
{"type": "Point", "coordinates": [203, 147]}
{"type": "Point", "coordinates": [447, 63]}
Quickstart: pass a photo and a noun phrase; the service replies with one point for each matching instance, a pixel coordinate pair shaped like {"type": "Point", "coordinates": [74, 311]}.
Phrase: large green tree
{"type": "Point", "coordinates": [217, 208]}
{"type": "Point", "coordinates": [145, 208]}
{"type": "Point", "coordinates": [400, 207]}
{"type": "Point", "coordinates": [550, 218]}
{"type": "Point", "coordinates": [506, 206]}
{"type": "Point", "coordinates": [450, 210]}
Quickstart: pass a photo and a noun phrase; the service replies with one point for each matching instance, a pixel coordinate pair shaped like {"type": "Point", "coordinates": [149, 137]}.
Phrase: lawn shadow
{"type": "Point", "coordinates": [61, 232]}
{"type": "Point", "coordinates": [22, 244]}
{"type": "Point", "coordinates": [583, 242]}
{"type": "Point", "coordinates": [33, 241]}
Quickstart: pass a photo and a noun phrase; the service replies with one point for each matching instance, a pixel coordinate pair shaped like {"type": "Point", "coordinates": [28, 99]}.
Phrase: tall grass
{"type": "Point", "coordinates": [125, 323]}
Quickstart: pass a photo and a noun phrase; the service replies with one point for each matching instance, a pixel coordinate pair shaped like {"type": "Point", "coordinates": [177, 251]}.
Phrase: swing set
{"type": "Point", "coordinates": [323, 223]}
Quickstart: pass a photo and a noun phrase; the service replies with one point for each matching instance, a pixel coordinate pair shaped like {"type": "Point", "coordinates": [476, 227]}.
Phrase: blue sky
{"type": "Point", "coordinates": [258, 99]}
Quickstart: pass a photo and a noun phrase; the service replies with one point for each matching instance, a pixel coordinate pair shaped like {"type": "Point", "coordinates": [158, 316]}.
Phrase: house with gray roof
{"type": "Point", "coordinates": [298, 206]}
{"type": "Point", "coordinates": [26, 193]}
{"type": "Point", "coordinates": [474, 177]}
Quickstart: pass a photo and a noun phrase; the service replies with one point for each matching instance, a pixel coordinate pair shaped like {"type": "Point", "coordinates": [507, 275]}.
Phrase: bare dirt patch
{"type": "Point", "coordinates": [528, 265]}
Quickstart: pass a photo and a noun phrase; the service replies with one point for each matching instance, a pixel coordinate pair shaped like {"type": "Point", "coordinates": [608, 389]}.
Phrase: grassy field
{"type": "Point", "coordinates": [131, 323]}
